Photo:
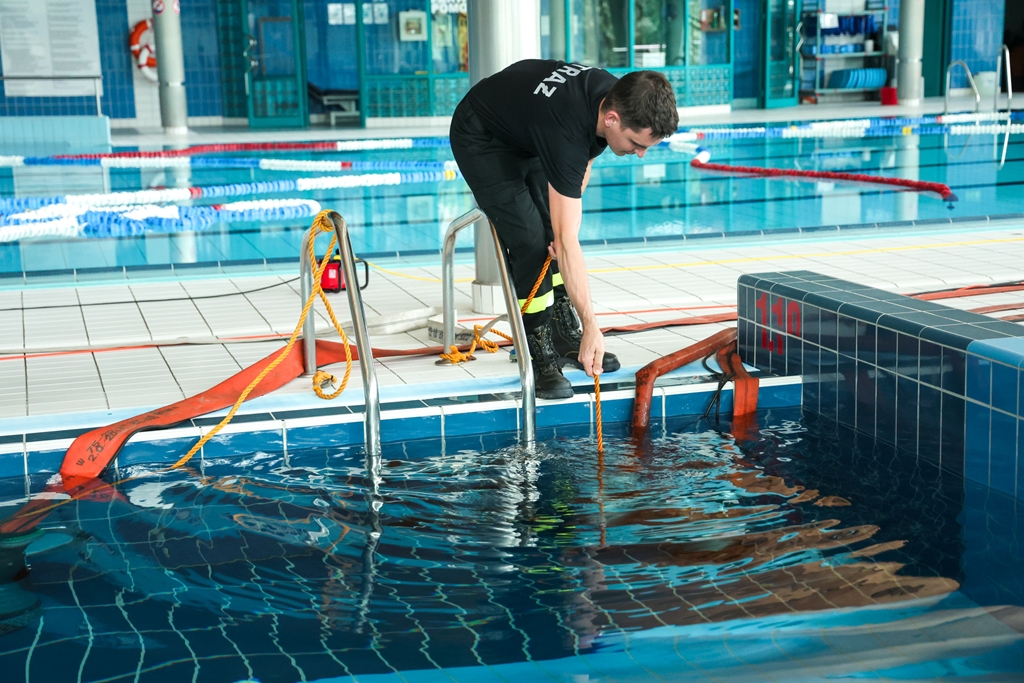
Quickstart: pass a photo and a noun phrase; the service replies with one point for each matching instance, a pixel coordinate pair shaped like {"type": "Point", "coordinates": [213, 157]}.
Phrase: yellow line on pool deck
{"type": "Point", "coordinates": [786, 257]}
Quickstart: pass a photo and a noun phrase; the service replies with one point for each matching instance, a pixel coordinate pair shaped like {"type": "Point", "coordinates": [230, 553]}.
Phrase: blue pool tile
{"type": "Point", "coordinates": [12, 465]}
{"type": "Point", "coordinates": [1020, 465]}
{"type": "Point", "coordinates": [953, 427]}
{"type": "Point", "coordinates": [44, 461]}
{"type": "Point", "coordinates": [1004, 387]}
{"type": "Point", "coordinates": [846, 391]}
{"type": "Point", "coordinates": [979, 378]}
{"type": "Point", "coordinates": [976, 442]}
{"type": "Point", "coordinates": [829, 374]}
{"type": "Point", "coordinates": [763, 346]}
{"type": "Point", "coordinates": [885, 349]}
{"type": "Point", "coordinates": [621, 409]}
{"type": "Point", "coordinates": [410, 428]}
{"type": "Point", "coordinates": [328, 435]}
{"type": "Point", "coordinates": [846, 335]}
{"type": "Point", "coordinates": [860, 312]}
{"type": "Point", "coordinates": [502, 420]}
{"type": "Point", "coordinates": [554, 414]}
{"type": "Point", "coordinates": [866, 398]}
{"type": "Point", "coordinates": [811, 324]}
{"type": "Point", "coordinates": [827, 329]}
{"type": "Point", "coordinates": [794, 357]}
{"type": "Point", "coordinates": [162, 452]}
{"type": "Point", "coordinates": [1009, 350]}
{"type": "Point", "coordinates": [866, 336]}
{"type": "Point", "coordinates": [929, 426]}
{"type": "Point", "coordinates": [1003, 453]}
{"type": "Point", "coordinates": [779, 343]}
{"type": "Point", "coordinates": [812, 378]}
{"type": "Point", "coordinates": [907, 355]}
{"type": "Point", "coordinates": [684, 404]}
{"type": "Point", "coordinates": [906, 414]}
{"type": "Point", "coordinates": [745, 341]}
{"type": "Point", "coordinates": [885, 408]}
{"type": "Point", "coordinates": [954, 370]}
{"type": "Point", "coordinates": [946, 337]}
{"type": "Point", "coordinates": [930, 367]}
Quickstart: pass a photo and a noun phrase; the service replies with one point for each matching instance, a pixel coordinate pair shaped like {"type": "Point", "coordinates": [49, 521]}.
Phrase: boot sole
{"type": "Point", "coordinates": [610, 367]}
{"type": "Point", "coordinates": [549, 395]}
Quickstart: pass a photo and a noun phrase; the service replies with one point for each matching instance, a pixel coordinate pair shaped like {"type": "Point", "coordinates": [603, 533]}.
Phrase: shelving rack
{"type": "Point", "coordinates": [816, 64]}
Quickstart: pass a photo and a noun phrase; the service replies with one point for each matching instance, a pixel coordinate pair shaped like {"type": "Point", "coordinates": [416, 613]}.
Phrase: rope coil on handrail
{"type": "Point", "coordinates": [322, 378]}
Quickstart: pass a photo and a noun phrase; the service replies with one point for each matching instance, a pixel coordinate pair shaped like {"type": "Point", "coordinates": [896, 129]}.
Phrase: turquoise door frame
{"type": "Point", "coordinates": [275, 61]}
{"type": "Point", "coordinates": [780, 75]}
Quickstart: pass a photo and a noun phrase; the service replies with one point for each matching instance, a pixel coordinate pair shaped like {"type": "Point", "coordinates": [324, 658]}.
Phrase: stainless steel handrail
{"type": "Point", "coordinates": [970, 79]}
{"type": "Point", "coordinates": [529, 401]}
{"type": "Point", "coordinates": [371, 393]}
{"type": "Point", "coordinates": [97, 84]}
{"type": "Point", "coordinates": [1003, 58]}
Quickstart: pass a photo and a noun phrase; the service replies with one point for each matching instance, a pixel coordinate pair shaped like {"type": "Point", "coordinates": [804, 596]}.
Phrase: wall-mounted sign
{"type": "Point", "coordinates": [412, 25]}
{"type": "Point", "coordinates": [49, 38]}
{"type": "Point", "coordinates": [447, 6]}
{"type": "Point", "coordinates": [341, 14]}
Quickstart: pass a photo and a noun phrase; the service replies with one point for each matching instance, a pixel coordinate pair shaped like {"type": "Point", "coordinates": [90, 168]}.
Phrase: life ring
{"type": "Point", "coordinates": [141, 44]}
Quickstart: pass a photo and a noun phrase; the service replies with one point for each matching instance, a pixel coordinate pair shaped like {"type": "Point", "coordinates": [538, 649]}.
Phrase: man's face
{"type": "Point", "coordinates": [622, 140]}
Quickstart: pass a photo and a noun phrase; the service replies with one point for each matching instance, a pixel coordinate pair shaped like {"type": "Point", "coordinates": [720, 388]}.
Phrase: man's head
{"type": "Point", "coordinates": [638, 112]}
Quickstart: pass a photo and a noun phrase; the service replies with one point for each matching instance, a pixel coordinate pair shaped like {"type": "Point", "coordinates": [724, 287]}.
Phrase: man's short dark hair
{"type": "Point", "coordinates": [644, 99]}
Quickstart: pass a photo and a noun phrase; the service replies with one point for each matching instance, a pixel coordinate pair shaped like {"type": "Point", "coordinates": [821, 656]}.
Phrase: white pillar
{"type": "Point", "coordinates": [911, 48]}
{"type": "Point", "coordinates": [170, 65]}
{"type": "Point", "coordinates": [501, 32]}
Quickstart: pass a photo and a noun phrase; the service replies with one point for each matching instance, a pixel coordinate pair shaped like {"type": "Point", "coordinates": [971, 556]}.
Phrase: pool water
{"type": "Point", "coordinates": [659, 197]}
{"type": "Point", "coordinates": [800, 552]}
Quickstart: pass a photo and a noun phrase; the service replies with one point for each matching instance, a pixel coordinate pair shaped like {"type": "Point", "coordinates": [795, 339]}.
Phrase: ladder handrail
{"type": "Point", "coordinates": [1003, 57]}
{"type": "Point", "coordinates": [970, 79]}
{"type": "Point", "coordinates": [515, 319]}
{"type": "Point", "coordinates": [371, 393]}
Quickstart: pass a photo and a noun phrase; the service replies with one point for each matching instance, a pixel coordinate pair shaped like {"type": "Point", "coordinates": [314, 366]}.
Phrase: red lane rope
{"type": "Point", "coordinates": [916, 185]}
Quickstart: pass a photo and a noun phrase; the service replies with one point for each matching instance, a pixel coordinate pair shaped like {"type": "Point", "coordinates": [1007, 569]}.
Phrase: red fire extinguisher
{"type": "Point", "coordinates": [333, 277]}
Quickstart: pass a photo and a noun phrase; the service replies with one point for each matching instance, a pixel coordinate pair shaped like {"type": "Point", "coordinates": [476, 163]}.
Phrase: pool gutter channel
{"type": "Point", "coordinates": [338, 426]}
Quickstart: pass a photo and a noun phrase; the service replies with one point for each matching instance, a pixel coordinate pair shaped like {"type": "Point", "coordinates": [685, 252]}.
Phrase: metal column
{"type": "Point", "coordinates": [501, 32]}
{"type": "Point", "coordinates": [170, 65]}
{"type": "Point", "coordinates": [911, 48]}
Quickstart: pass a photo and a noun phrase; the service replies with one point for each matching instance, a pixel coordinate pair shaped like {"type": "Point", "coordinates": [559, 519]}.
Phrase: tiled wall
{"type": "Point", "coordinates": [202, 57]}
{"type": "Point", "coordinates": [939, 383]}
{"type": "Point", "coordinates": [746, 60]}
{"type": "Point", "coordinates": [977, 33]}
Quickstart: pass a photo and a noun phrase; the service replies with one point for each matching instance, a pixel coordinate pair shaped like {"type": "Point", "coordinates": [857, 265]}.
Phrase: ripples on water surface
{"type": "Point", "coordinates": [798, 555]}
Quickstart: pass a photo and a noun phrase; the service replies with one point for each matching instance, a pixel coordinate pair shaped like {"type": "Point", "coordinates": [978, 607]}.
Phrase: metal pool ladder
{"type": "Point", "coordinates": [1003, 58]}
{"type": "Point", "coordinates": [970, 79]}
{"type": "Point", "coordinates": [371, 420]}
{"type": "Point", "coordinates": [529, 402]}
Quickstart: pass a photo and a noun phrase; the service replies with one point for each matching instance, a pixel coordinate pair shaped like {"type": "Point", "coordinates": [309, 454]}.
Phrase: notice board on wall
{"type": "Point", "coordinates": [49, 38]}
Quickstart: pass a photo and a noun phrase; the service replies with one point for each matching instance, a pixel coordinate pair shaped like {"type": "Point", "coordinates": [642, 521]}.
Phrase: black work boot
{"type": "Point", "coordinates": [567, 337]}
{"type": "Point", "coordinates": [546, 373]}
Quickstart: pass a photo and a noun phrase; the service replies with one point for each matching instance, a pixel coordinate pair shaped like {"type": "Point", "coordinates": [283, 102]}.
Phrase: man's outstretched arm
{"type": "Point", "coordinates": [566, 215]}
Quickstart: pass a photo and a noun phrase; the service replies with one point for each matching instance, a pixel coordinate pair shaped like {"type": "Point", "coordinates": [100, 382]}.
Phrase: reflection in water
{"type": "Point", "coordinates": [292, 572]}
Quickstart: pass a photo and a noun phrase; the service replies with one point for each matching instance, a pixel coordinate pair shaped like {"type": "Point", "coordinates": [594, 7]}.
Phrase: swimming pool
{"type": "Point", "coordinates": [630, 200]}
{"type": "Point", "coordinates": [800, 553]}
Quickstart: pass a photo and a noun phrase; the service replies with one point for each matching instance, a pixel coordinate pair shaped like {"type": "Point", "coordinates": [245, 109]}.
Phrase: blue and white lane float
{"type": "Point", "coordinates": [294, 165]}
{"type": "Point", "coordinates": [80, 220]}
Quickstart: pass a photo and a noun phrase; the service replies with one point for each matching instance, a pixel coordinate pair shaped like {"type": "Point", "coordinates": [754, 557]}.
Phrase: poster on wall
{"type": "Point", "coordinates": [49, 38]}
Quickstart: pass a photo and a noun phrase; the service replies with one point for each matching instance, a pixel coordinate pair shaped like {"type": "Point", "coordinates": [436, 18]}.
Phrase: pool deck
{"type": "Point", "coordinates": [108, 351]}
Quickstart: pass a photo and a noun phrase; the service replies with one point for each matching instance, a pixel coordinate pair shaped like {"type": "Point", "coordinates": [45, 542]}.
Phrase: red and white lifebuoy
{"type": "Point", "coordinates": [141, 44]}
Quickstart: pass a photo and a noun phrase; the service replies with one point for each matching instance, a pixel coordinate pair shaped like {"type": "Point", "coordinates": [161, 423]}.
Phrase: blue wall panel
{"type": "Point", "coordinates": [977, 33]}
{"type": "Point", "coordinates": [746, 71]}
{"type": "Point", "coordinates": [331, 55]}
{"type": "Point", "coordinates": [202, 57]}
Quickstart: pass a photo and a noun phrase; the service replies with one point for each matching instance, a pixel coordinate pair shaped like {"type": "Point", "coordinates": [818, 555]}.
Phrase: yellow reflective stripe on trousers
{"type": "Point", "coordinates": [539, 303]}
{"type": "Point", "coordinates": [556, 279]}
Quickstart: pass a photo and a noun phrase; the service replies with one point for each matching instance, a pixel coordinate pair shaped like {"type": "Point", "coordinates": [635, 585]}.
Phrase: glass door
{"type": "Point", "coordinates": [781, 72]}
{"type": "Point", "coordinates": [275, 80]}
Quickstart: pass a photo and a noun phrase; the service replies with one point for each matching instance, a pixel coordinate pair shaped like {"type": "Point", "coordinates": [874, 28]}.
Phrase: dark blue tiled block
{"type": "Point", "coordinates": [866, 342]}
{"type": "Point", "coordinates": [44, 461]}
{"type": "Point", "coordinates": [12, 465]}
{"type": "Point", "coordinates": [979, 379]}
{"type": "Point", "coordinates": [894, 322]}
{"type": "Point", "coordinates": [976, 442]}
{"type": "Point", "coordinates": [744, 301]}
{"type": "Point", "coordinates": [999, 328]}
{"type": "Point", "coordinates": [825, 301]}
{"type": "Point", "coordinates": [1004, 387]}
{"type": "Point", "coordinates": [906, 414]}
{"type": "Point", "coordinates": [860, 312]}
{"type": "Point", "coordinates": [907, 355]}
{"type": "Point", "coordinates": [811, 324]}
{"type": "Point", "coordinates": [487, 421]}
{"type": "Point", "coordinates": [554, 414]}
{"type": "Point", "coordinates": [930, 368]}
{"type": "Point", "coordinates": [621, 409]}
{"type": "Point", "coordinates": [812, 379]}
{"type": "Point", "coordinates": [954, 371]}
{"type": "Point", "coordinates": [779, 344]}
{"type": "Point", "coordinates": [946, 337]}
{"type": "Point", "coordinates": [794, 357]}
{"type": "Point", "coordinates": [344, 434]}
{"type": "Point", "coordinates": [885, 349]}
{"type": "Point", "coordinates": [846, 333]}
{"type": "Point", "coordinates": [929, 426]}
{"type": "Point", "coordinates": [745, 341]}
{"type": "Point", "coordinates": [1003, 453]}
{"type": "Point", "coordinates": [846, 391]}
{"type": "Point", "coordinates": [885, 408]}
{"type": "Point", "coordinates": [827, 329]}
{"type": "Point", "coordinates": [953, 433]}
{"type": "Point", "coordinates": [1020, 453]}
{"type": "Point", "coordinates": [762, 353]}
{"type": "Point", "coordinates": [866, 398]}
{"type": "Point", "coordinates": [829, 374]}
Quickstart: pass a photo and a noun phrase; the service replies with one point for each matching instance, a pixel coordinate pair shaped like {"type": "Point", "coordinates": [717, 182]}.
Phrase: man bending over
{"type": "Point", "coordinates": [525, 140]}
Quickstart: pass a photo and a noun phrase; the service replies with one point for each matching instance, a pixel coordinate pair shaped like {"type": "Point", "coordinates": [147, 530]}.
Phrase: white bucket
{"type": "Point", "coordinates": [986, 82]}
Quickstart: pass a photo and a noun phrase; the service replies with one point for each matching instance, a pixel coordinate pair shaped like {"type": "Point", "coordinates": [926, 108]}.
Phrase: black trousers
{"type": "Point", "coordinates": [511, 188]}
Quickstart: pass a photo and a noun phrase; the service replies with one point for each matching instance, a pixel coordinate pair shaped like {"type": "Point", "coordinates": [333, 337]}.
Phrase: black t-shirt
{"type": "Point", "coordinates": [547, 109]}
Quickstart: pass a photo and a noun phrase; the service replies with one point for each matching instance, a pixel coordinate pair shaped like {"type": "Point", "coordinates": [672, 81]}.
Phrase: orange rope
{"type": "Point", "coordinates": [597, 413]}
{"type": "Point", "coordinates": [455, 356]}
